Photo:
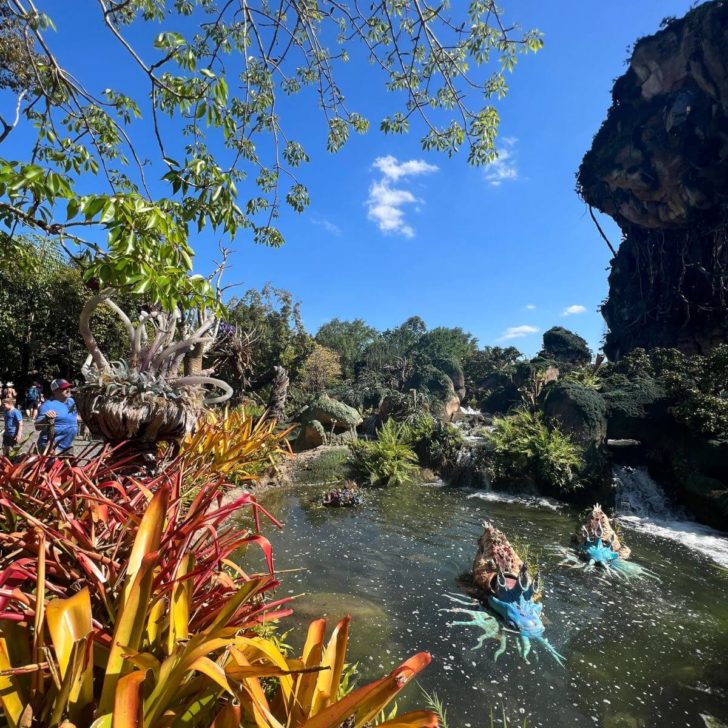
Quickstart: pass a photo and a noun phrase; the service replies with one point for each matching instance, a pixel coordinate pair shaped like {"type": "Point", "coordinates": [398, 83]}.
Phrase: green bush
{"type": "Point", "coordinates": [436, 443]}
{"type": "Point", "coordinates": [696, 385]}
{"type": "Point", "coordinates": [565, 347]}
{"type": "Point", "coordinates": [388, 460]}
{"type": "Point", "coordinates": [630, 398]}
{"type": "Point", "coordinates": [579, 411]}
{"type": "Point", "coordinates": [523, 445]}
{"type": "Point", "coordinates": [432, 380]}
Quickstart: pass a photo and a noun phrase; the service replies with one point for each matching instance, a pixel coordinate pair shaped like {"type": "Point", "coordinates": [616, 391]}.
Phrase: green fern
{"type": "Point", "coordinates": [388, 460]}
{"type": "Point", "coordinates": [433, 703]}
{"type": "Point", "coordinates": [523, 444]}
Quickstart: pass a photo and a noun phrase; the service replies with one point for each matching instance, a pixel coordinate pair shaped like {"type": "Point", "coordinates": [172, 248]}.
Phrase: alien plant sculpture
{"type": "Point", "coordinates": [159, 393]}
{"type": "Point", "coordinates": [503, 582]}
{"type": "Point", "coordinates": [598, 545]}
{"type": "Point", "coordinates": [345, 497]}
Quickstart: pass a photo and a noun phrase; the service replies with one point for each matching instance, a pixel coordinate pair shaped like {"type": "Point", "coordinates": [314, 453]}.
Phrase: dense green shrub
{"type": "Point", "coordinates": [366, 392]}
{"type": "Point", "coordinates": [499, 393]}
{"type": "Point", "coordinates": [388, 460]}
{"type": "Point", "coordinates": [565, 347]}
{"type": "Point", "coordinates": [581, 412]}
{"type": "Point", "coordinates": [406, 406]}
{"type": "Point", "coordinates": [631, 398]}
{"type": "Point", "coordinates": [431, 380]}
{"type": "Point", "coordinates": [454, 370]}
{"type": "Point", "coordinates": [523, 445]}
{"type": "Point", "coordinates": [697, 386]}
{"type": "Point", "coordinates": [436, 443]}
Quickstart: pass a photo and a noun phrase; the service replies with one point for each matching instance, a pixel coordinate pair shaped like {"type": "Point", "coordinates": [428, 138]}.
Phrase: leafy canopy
{"type": "Point", "coordinates": [215, 76]}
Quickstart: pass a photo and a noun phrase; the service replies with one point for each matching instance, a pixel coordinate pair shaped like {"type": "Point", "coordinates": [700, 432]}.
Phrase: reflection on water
{"type": "Point", "coordinates": [638, 654]}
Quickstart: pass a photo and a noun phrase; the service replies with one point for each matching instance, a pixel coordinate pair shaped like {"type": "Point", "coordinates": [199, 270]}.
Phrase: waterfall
{"type": "Point", "coordinates": [642, 505]}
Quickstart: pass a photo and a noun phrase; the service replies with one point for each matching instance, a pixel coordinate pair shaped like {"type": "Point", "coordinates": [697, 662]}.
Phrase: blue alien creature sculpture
{"type": "Point", "coordinates": [598, 545]}
{"type": "Point", "coordinates": [502, 581]}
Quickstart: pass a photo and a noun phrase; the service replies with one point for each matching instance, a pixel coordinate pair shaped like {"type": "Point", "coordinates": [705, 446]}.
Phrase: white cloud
{"type": "Point", "coordinates": [571, 310]}
{"type": "Point", "coordinates": [518, 332]}
{"type": "Point", "coordinates": [327, 225]}
{"type": "Point", "coordinates": [503, 169]}
{"type": "Point", "coordinates": [530, 307]}
{"type": "Point", "coordinates": [385, 202]}
{"type": "Point", "coordinates": [393, 169]}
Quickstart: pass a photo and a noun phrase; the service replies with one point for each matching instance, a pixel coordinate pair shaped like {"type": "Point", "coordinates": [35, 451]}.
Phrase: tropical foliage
{"type": "Point", "coordinates": [190, 53]}
{"type": "Point", "coordinates": [387, 460]}
{"type": "Point", "coordinates": [697, 386]}
{"type": "Point", "coordinates": [42, 295]}
{"type": "Point", "coordinates": [236, 445]}
{"type": "Point", "coordinates": [524, 446]}
{"type": "Point", "coordinates": [349, 339]}
{"type": "Point", "coordinates": [436, 443]}
{"type": "Point", "coordinates": [122, 605]}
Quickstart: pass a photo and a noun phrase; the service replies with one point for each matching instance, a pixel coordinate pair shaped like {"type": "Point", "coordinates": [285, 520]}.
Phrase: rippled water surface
{"type": "Point", "coordinates": [637, 654]}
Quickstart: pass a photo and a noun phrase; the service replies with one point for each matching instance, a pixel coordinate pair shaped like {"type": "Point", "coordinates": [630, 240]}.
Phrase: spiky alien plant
{"type": "Point", "coordinates": [161, 390]}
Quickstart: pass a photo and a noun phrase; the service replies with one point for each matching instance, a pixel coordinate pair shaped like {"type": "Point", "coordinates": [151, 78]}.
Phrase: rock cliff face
{"type": "Point", "coordinates": [659, 167]}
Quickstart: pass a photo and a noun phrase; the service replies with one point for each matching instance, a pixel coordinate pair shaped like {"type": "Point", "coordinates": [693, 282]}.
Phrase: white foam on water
{"type": "Point", "coordinates": [642, 505]}
{"type": "Point", "coordinates": [529, 501]}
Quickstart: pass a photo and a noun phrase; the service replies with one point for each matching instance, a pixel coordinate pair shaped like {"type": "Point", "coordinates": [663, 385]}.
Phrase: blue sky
{"type": "Point", "coordinates": [504, 252]}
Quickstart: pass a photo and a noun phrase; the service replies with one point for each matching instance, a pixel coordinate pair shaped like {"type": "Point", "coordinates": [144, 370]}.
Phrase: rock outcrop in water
{"type": "Point", "coordinates": [659, 167]}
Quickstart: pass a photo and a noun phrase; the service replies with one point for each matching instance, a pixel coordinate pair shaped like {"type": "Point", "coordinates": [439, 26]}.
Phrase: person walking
{"type": "Point", "coordinates": [32, 400]}
{"type": "Point", "coordinates": [57, 420]}
{"type": "Point", "coordinates": [8, 390]}
{"type": "Point", "coordinates": [13, 425]}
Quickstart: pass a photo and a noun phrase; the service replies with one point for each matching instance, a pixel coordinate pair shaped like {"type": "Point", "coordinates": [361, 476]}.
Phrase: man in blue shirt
{"type": "Point", "coordinates": [13, 426]}
{"type": "Point", "coordinates": [58, 417]}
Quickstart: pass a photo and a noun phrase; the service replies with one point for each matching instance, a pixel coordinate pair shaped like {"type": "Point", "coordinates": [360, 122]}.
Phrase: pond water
{"type": "Point", "coordinates": [641, 653]}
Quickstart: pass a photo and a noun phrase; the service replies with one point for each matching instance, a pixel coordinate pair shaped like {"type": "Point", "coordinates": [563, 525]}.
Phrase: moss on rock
{"type": "Point", "coordinates": [580, 411]}
{"type": "Point", "coordinates": [330, 412]}
{"type": "Point", "coordinates": [565, 347]}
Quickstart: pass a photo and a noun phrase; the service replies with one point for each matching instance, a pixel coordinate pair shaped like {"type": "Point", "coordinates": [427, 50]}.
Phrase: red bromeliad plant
{"type": "Point", "coordinates": [122, 607]}
{"type": "Point", "coordinates": [86, 519]}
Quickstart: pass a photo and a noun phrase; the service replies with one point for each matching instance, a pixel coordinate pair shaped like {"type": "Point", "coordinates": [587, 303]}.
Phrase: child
{"type": "Point", "coordinates": [13, 426]}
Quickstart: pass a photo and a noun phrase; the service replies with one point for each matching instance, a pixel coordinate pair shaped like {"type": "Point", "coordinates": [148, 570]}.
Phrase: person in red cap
{"type": "Point", "coordinates": [57, 420]}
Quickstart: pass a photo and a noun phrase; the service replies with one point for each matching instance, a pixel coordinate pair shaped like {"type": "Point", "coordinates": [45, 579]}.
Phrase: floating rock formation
{"type": "Point", "coordinates": [659, 167]}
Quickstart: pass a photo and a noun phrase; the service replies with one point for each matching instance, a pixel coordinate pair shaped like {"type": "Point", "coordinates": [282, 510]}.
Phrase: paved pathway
{"type": "Point", "coordinates": [29, 429]}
